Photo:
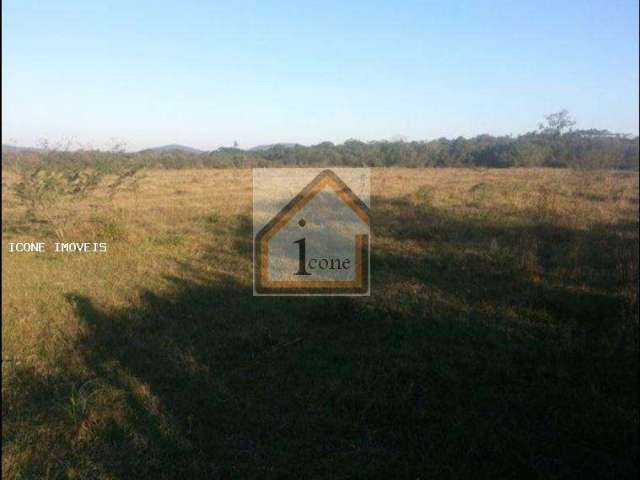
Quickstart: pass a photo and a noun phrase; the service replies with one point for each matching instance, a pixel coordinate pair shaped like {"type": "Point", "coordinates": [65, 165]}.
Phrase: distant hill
{"type": "Point", "coordinates": [262, 148]}
{"type": "Point", "coordinates": [16, 149]}
{"type": "Point", "coordinates": [174, 147]}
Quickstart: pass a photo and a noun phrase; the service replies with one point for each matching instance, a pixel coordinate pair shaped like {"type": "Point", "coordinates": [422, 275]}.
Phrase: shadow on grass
{"type": "Point", "coordinates": [209, 382]}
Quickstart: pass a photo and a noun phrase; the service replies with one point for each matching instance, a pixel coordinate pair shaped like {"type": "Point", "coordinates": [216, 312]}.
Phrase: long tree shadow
{"type": "Point", "coordinates": [245, 388]}
{"type": "Point", "coordinates": [580, 284]}
{"type": "Point", "coordinates": [219, 384]}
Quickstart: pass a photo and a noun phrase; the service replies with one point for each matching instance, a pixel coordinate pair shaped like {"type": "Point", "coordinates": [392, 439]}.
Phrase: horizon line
{"type": "Point", "coordinates": [65, 145]}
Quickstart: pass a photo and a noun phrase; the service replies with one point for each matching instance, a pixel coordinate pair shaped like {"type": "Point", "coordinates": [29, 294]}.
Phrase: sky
{"type": "Point", "coordinates": [210, 73]}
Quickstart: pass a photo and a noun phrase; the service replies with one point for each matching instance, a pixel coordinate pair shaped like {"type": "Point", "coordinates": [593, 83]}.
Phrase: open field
{"type": "Point", "coordinates": [500, 339]}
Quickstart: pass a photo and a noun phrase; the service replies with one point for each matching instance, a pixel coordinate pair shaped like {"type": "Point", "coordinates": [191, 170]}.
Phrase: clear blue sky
{"type": "Point", "coordinates": [207, 73]}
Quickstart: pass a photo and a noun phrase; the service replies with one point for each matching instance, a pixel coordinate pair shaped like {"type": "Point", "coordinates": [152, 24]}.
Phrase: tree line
{"type": "Point", "coordinates": [554, 144]}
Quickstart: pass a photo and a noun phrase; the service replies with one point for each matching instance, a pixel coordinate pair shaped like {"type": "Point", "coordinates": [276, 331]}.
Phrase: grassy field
{"type": "Point", "coordinates": [500, 339]}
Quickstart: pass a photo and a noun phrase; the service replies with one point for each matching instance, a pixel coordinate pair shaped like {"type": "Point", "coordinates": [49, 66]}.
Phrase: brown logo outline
{"type": "Point", "coordinates": [360, 285]}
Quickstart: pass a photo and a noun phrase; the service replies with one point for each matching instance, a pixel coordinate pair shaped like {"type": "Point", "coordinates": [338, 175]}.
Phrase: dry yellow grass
{"type": "Point", "coordinates": [515, 264]}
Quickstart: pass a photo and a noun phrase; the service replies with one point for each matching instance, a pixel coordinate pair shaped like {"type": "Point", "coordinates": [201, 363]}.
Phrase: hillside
{"type": "Point", "coordinates": [174, 147]}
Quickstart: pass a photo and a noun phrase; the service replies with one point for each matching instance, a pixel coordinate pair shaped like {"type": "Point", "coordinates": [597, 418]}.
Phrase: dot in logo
{"type": "Point", "coordinates": [302, 223]}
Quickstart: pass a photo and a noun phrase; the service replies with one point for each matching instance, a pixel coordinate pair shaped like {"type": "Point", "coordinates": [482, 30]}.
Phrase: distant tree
{"type": "Point", "coordinates": [557, 123]}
